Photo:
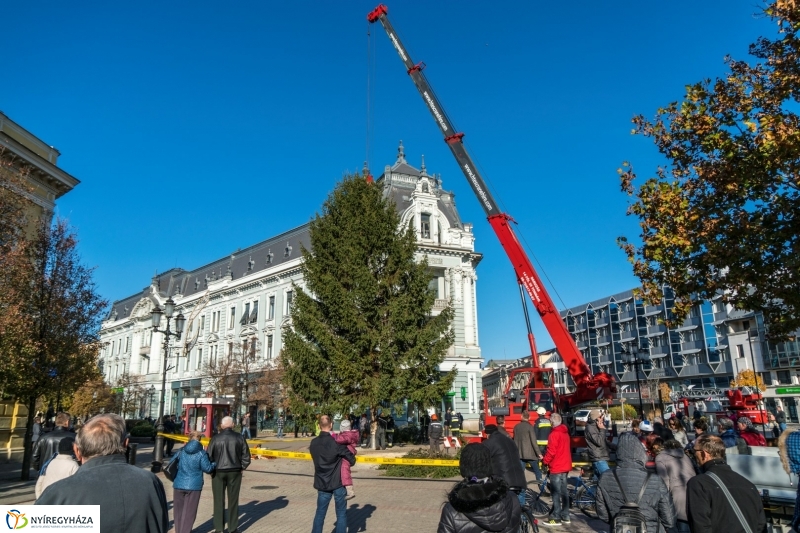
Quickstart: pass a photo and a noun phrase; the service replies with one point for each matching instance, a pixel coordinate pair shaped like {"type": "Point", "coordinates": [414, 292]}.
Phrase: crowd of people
{"type": "Point", "coordinates": [677, 484]}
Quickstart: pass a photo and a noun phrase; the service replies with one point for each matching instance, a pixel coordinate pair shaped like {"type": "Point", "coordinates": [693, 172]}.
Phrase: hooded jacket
{"type": "Point", "coordinates": [506, 460]}
{"type": "Point", "coordinates": [480, 507]}
{"type": "Point", "coordinates": [558, 456]}
{"type": "Point", "coordinates": [675, 470]}
{"type": "Point", "coordinates": [656, 502]}
{"type": "Point", "coordinates": [710, 511]}
{"type": "Point", "coordinates": [192, 462]}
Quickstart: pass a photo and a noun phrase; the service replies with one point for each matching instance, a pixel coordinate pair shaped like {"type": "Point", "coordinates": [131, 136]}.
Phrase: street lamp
{"type": "Point", "coordinates": [633, 357]}
{"type": "Point", "coordinates": [151, 392]}
{"type": "Point", "coordinates": [242, 382]}
{"type": "Point", "coordinates": [180, 321]}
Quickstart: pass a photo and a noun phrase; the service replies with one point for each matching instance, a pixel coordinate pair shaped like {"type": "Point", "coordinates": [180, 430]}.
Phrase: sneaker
{"type": "Point", "coordinates": [551, 522]}
{"type": "Point", "coordinates": [351, 493]}
{"type": "Point", "coordinates": [565, 520]}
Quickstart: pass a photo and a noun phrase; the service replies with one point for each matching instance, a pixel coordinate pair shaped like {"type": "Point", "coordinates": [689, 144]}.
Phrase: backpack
{"type": "Point", "coordinates": [629, 518]}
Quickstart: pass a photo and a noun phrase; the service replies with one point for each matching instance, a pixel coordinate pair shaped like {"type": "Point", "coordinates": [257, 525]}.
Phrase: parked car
{"type": "Point", "coordinates": [581, 418]}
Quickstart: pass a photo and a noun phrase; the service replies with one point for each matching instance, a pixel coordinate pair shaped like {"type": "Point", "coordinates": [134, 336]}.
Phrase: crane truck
{"type": "Point", "coordinates": [534, 385]}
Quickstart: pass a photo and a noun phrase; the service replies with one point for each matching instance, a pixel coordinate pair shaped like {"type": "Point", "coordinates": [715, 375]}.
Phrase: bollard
{"type": "Point", "coordinates": [132, 453]}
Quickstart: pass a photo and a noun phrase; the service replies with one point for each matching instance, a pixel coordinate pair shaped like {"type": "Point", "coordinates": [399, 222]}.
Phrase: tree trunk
{"type": "Point", "coordinates": [27, 455]}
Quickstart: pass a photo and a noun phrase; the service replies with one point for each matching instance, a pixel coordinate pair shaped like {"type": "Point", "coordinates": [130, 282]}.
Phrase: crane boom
{"type": "Point", "coordinates": [589, 387]}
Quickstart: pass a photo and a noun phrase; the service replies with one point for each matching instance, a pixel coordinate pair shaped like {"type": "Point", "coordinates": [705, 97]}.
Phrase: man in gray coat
{"type": "Point", "coordinates": [131, 500]}
{"type": "Point", "coordinates": [656, 503]}
{"type": "Point", "coordinates": [596, 441]}
{"type": "Point", "coordinates": [529, 452]}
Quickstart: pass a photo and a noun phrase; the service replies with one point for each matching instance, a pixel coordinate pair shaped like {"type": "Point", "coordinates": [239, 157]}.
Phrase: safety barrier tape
{"type": "Point", "coordinates": [359, 458]}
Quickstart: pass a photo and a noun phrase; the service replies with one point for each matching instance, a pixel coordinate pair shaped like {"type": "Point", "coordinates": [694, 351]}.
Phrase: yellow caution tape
{"type": "Point", "coordinates": [370, 459]}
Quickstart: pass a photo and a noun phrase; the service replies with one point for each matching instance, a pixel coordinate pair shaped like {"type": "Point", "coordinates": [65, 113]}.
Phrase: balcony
{"type": "Point", "coordinates": [144, 350]}
{"type": "Point", "coordinates": [440, 304]}
{"type": "Point", "coordinates": [659, 351]}
{"type": "Point", "coordinates": [658, 329]}
{"type": "Point", "coordinates": [653, 310]}
{"type": "Point", "coordinates": [602, 340]}
{"type": "Point", "coordinates": [626, 315]}
{"type": "Point", "coordinates": [693, 346]}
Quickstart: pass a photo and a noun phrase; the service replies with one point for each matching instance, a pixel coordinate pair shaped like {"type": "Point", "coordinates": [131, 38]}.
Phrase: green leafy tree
{"type": "Point", "coordinates": [49, 319]}
{"type": "Point", "coordinates": [723, 216]}
{"type": "Point", "coordinates": [363, 332]}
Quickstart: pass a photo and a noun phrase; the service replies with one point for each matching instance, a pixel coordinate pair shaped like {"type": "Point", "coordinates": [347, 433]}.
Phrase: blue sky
{"type": "Point", "coordinates": [197, 128]}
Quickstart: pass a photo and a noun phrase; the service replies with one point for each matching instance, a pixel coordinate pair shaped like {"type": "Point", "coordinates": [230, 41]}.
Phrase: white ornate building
{"type": "Point", "coordinates": [246, 297]}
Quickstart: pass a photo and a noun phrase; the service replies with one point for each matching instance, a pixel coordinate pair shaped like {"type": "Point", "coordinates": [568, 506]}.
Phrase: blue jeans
{"type": "Point", "coordinates": [246, 430]}
{"type": "Point", "coordinates": [600, 467]}
{"type": "Point", "coordinates": [521, 497]}
{"type": "Point", "coordinates": [782, 425]}
{"type": "Point", "coordinates": [560, 496]}
{"type": "Point", "coordinates": [280, 432]}
{"type": "Point", "coordinates": [533, 468]}
{"type": "Point", "coordinates": [323, 499]}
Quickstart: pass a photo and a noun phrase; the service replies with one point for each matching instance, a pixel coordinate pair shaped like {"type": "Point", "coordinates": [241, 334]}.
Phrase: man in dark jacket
{"type": "Point", "coordinates": [597, 441]}
{"type": "Point", "coordinates": [327, 456]}
{"type": "Point", "coordinates": [525, 439]}
{"type": "Point", "coordinates": [47, 445]}
{"type": "Point", "coordinates": [543, 427]}
{"type": "Point", "coordinates": [707, 505]}
{"type": "Point", "coordinates": [232, 454]}
{"type": "Point", "coordinates": [506, 463]}
{"type": "Point", "coordinates": [656, 502]}
{"type": "Point", "coordinates": [558, 459]}
{"type": "Point", "coordinates": [780, 419]}
{"type": "Point", "coordinates": [131, 500]}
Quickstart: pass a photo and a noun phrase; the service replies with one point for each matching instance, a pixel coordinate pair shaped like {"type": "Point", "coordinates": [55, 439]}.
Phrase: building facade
{"type": "Point", "coordinates": [246, 298]}
{"type": "Point", "coordinates": [704, 353]}
{"type": "Point", "coordinates": [27, 156]}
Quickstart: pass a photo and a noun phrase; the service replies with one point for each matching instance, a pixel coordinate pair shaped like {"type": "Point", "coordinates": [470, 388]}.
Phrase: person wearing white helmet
{"type": "Point", "coordinates": [543, 427]}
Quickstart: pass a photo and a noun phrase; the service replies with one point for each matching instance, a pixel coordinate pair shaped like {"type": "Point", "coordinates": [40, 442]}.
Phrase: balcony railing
{"type": "Point", "coordinates": [440, 304]}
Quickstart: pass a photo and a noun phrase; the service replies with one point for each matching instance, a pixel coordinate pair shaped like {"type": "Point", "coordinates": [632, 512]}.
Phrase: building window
{"type": "Point", "coordinates": [271, 308]}
{"type": "Point", "coordinates": [215, 319]}
{"type": "Point", "coordinates": [767, 377]}
{"type": "Point", "coordinates": [289, 299]}
{"type": "Point", "coordinates": [784, 378]}
{"type": "Point", "coordinates": [232, 321]}
{"type": "Point", "coordinates": [144, 365]}
{"type": "Point", "coordinates": [199, 360]}
{"type": "Point", "coordinates": [254, 313]}
{"type": "Point", "coordinates": [740, 351]}
{"type": "Point", "coordinates": [246, 315]}
{"type": "Point", "coordinates": [187, 361]}
{"type": "Point", "coordinates": [425, 226]}
{"type": "Point", "coordinates": [202, 325]}
{"type": "Point", "coordinates": [269, 346]}
{"type": "Point", "coordinates": [230, 351]}
{"type": "Point", "coordinates": [127, 344]}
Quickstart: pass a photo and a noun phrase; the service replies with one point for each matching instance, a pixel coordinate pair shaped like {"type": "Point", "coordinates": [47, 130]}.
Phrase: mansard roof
{"type": "Point", "coordinates": [399, 180]}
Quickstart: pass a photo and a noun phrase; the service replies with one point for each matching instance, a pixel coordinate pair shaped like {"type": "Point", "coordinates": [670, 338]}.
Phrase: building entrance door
{"type": "Point", "coordinates": [791, 410]}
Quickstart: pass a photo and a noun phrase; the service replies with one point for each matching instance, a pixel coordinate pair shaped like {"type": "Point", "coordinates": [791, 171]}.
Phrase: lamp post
{"type": "Point", "coordinates": [169, 309]}
{"type": "Point", "coordinates": [632, 357]}
{"type": "Point", "coordinates": [151, 392]}
{"type": "Point", "coordinates": [242, 382]}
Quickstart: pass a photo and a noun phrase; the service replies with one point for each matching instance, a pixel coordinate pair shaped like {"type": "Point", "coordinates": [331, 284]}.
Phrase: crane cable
{"type": "Point", "coordinates": [370, 84]}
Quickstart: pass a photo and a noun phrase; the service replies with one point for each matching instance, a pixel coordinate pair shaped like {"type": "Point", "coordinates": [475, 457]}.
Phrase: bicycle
{"type": "Point", "coordinates": [528, 523]}
{"type": "Point", "coordinates": [582, 494]}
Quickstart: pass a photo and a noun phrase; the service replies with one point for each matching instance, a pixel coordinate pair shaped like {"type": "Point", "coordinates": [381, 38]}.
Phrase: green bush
{"type": "Point", "coordinates": [427, 472]}
{"type": "Point", "coordinates": [406, 434]}
{"type": "Point", "coordinates": [131, 423]}
{"type": "Point", "coordinates": [616, 412]}
{"type": "Point", "coordinates": [143, 430]}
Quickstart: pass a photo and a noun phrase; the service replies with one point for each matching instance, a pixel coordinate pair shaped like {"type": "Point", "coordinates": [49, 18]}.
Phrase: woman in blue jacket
{"type": "Point", "coordinates": [188, 484]}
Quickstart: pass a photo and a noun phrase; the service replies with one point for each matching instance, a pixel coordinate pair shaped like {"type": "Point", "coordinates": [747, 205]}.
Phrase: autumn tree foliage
{"type": "Point", "coordinates": [49, 320]}
{"type": "Point", "coordinates": [362, 331]}
{"type": "Point", "coordinates": [723, 215]}
{"type": "Point", "coordinates": [748, 378]}
{"type": "Point", "coordinates": [92, 398]}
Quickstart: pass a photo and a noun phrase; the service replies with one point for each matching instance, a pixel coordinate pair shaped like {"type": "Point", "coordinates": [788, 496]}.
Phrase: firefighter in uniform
{"type": "Point", "coordinates": [542, 428]}
{"type": "Point", "coordinates": [390, 431]}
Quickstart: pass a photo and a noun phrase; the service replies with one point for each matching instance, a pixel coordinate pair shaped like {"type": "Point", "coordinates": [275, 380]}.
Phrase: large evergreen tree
{"type": "Point", "coordinates": [362, 332]}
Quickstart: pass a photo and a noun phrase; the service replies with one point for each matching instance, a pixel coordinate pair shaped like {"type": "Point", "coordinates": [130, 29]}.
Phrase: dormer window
{"type": "Point", "coordinates": [250, 264]}
{"type": "Point", "coordinates": [425, 226]}
{"type": "Point", "coordinates": [287, 251]}
{"type": "Point", "coordinates": [270, 255]}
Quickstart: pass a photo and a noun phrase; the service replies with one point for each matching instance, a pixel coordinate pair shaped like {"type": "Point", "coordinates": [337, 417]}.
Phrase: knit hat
{"type": "Point", "coordinates": [344, 425]}
{"type": "Point", "coordinates": [594, 414]}
{"type": "Point", "coordinates": [541, 411]}
{"type": "Point", "coordinates": [476, 462]}
{"type": "Point", "coordinates": [65, 446]}
{"type": "Point", "coordinates": [745, 421]}
{"type": "Point", "coordinates": [646, 426]}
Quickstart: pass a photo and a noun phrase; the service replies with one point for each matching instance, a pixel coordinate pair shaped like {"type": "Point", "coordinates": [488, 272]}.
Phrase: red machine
{"type": "Point", "coordinates": [539, 387]}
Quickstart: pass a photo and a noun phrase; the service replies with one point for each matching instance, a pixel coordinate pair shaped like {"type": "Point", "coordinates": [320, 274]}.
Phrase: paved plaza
{"type": "Point", "coordinates": [278, 496]}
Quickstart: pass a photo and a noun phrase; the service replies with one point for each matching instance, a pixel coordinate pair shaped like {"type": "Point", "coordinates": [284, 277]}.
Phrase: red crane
{"type": "Point", "coordinates": [588, 387]}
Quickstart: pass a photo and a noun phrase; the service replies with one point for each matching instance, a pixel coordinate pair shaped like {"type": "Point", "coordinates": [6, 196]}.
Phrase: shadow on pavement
{"type": "Point", "coordinates": [357, 517]}
{"type": "Point", "coordinates": [249, 513]}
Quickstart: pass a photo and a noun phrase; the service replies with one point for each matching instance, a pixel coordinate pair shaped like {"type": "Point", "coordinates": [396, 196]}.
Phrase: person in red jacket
{"type": "Point", "coordinates": [558, 459]}
{"type": "Point", "coordinates": [750, 434]}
